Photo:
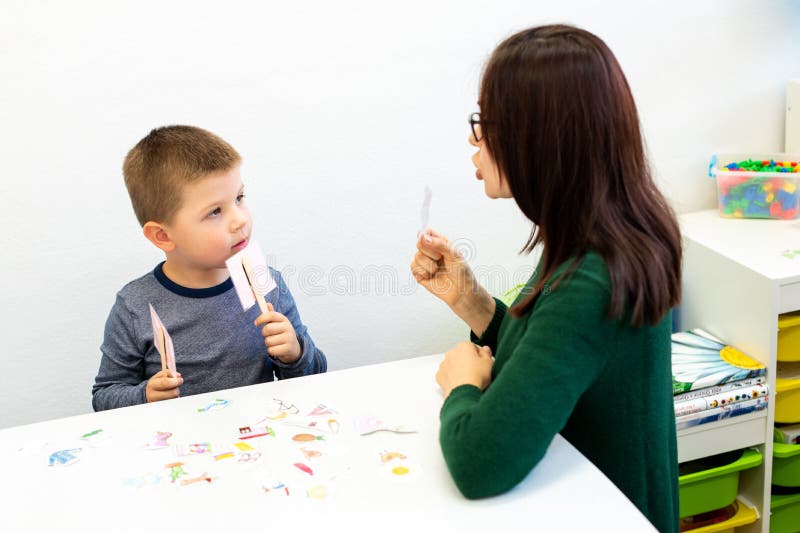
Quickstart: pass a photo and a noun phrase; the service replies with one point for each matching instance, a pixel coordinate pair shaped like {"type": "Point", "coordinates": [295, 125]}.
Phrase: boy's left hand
{"type": "Point", "coordinates": [279, 336]}
{"type": "Point", "coordinates": [465, 364]}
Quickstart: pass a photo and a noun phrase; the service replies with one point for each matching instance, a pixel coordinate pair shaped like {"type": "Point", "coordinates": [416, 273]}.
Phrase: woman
{"type": "Point", "coordinates": [585, 349]}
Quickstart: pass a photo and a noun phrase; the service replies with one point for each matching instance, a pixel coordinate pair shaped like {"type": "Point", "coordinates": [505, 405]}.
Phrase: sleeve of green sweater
{"type": "Point", "coordinates": [491, 440]}
{"type": "Point", "coordinates": [489, 337]}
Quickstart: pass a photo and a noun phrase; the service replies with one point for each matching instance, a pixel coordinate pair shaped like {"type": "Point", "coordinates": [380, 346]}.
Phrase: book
{"type": "Point", "coordinates": [720, 413]}
{"type": "Point", "coordinates": [789, 434]}
{"type": "Point", "coordinates": [721, 399]}
{"type": "Point", "coordinates": [700, 360]}
{"type": "Point", "coordinates": [716, 389]}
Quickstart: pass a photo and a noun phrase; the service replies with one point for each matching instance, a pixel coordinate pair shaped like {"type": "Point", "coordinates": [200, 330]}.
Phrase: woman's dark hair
{"type": "Point", "coordinates": [558, 117]}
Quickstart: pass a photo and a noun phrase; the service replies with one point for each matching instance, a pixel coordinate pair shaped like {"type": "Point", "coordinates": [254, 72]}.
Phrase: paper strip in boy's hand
{"type": "Point", "coordinates": [425, 212]}
{"type": "Point", "coordinates": [251, 276]}
{"type": "Point", "coordinates": [163, 342]}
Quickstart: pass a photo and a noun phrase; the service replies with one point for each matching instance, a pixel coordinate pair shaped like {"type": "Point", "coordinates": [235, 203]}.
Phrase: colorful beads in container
{"type": "Point", "coordinates": [751, 189]}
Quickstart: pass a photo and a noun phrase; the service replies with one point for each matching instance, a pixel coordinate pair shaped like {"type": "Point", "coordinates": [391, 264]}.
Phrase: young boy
{"type": "Point", "coordinates": [187, 194]}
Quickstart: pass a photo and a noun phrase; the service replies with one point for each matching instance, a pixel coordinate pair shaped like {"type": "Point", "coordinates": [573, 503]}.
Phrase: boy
{"type": "Point", "coordinates": [187, 194]}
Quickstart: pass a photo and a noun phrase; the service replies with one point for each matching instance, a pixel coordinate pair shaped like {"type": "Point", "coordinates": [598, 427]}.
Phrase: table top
{"type": "Point", "coordinates": [385, 480]}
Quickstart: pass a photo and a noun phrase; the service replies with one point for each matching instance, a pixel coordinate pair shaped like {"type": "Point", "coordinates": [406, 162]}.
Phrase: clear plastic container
{"type": "Point", "coordinates": [751, 194]}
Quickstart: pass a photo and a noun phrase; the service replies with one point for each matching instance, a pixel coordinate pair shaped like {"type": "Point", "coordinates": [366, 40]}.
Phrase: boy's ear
{"type": "Point", "coordinates": [158, 235]}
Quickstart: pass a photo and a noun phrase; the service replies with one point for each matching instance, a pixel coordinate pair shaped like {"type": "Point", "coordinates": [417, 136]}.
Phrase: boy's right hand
{"type": "Point", "coordinates": [163, 386]}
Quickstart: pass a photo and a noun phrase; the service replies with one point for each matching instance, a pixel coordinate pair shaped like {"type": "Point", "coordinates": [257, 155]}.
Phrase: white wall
{"type": "Point", "coordinates": [343, 112]}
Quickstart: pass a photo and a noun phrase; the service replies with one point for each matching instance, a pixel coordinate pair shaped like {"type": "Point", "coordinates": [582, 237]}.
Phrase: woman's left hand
{"type": "Point", "coordinates": [465, 364]}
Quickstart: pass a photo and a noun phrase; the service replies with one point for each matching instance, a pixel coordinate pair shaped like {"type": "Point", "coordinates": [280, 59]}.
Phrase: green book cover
{"type": "Point", "coordinates": [701, 360]}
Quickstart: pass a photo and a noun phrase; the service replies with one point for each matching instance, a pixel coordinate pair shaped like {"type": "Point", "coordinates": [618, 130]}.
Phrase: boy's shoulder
{"type": "Point", "coordinates": [139, 283]}
{"type": "Point", "coordinates": [143, 287]}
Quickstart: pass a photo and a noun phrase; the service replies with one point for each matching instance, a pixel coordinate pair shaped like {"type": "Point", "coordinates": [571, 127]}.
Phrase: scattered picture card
{"type": "Point", "coordinates": [197, 448]}
{"type": "Point", "coordinates": [163, 342]}
{"type": "Point", "coordinates": [403, 471]}
{"type": "Point", "coordinates": [64, 457]}
{"type": "Point", "coordinates": [321, 425]}
{"type": "Point", "coordinates": [260, 277]}
{"type": "Point", "coordinates": [159, 441]}
{"type": "Point", "coordinates": [368, 424]}
{"type": "Point", "coordinates": [218, 403]}
{"type": "Point", "coordinates": [254, 431]}
{"type": "Point", "coordinates": [321, 410]}
{"type": "Point", "coordinates": [98, 437]}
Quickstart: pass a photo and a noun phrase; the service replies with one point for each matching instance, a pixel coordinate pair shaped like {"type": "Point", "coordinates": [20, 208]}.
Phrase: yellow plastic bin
{"type": "Point", "coordinates": [740, 515]}
{"type": "Point", "coordinates": [787, 393]}
{"type": "Point", "coordinates": [715, 487]}
{"type": "Point", "coordinates": [789, 337]}
{"type": "Point", "coordinates": [786, 465]}
{"type": "Point", "coordinates": [785, 516]}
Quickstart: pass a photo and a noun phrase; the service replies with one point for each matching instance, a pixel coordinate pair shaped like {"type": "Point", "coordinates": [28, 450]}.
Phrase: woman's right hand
{"type": "Point", "coordinates": [441, 269]}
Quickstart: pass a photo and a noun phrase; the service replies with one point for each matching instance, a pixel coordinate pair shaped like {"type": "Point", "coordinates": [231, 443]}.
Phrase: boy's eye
{"type": "Point", "coordinates": [215, 212]}
{"type": "Point", "coordinates": [239, 198]}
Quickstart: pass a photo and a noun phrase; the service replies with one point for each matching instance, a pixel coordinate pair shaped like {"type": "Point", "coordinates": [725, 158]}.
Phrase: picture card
{"type": "Point", "coordinates": [163, 342]}
{"type": "Point", "coordinates": [98, 437]}
{"type": "Point", "coordinates": [369, 424]}
{"type": "Point", "coordinates": [262, 280]}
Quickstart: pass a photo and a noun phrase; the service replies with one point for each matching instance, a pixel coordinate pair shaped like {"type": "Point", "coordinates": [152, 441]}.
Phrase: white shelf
{"type": "Point", "coordinates": [722, 436]}
{"type": "Point", "coordinates": [737, 280]}
{"type": "Point", "coordinates": [757, 244]}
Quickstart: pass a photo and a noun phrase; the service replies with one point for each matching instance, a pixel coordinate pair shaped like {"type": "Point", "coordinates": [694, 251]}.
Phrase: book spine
{"type": "Point", "coordinates": [721, 399]}
{"type": "Point", "coordinates": [712, 415]}
{"type": "Point", "coordinates": [708, 391]}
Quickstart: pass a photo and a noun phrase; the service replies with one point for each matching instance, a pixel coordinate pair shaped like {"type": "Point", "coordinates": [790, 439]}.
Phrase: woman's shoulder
{"type": "Point", "coordinates": [581, 283]}
{"type": "Point", "coordinates": [586, 271]}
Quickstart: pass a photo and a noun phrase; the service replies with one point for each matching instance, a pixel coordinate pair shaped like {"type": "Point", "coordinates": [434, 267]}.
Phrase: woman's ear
{"type": "Point", "coordinates": [157, 234]}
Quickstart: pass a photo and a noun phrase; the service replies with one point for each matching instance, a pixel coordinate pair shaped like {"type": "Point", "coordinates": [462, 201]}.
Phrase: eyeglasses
{"type": "Point", "coordinates": [474, 119]}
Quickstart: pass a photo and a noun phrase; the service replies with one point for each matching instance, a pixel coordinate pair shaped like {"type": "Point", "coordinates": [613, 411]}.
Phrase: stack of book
{"type": "Point", "coordinates": [712, 381]}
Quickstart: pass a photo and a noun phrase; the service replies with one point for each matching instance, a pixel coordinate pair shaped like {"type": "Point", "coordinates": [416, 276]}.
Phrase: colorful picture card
{"type": "Point", "coordinates": [257, 280]}
{"type": "Point", "coordinates": [163, 342]}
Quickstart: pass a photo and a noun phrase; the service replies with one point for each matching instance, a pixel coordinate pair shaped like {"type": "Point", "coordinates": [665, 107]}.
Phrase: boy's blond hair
{"type": "Point", "coordinates": [158, 167]}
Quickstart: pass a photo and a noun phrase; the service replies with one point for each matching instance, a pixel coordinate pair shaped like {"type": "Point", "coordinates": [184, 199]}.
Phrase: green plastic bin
{"type": "Point", "coordinates": [786, 465]}
{"type": "Point", "coordinates": [785, 516]}
{"type": "Point", "coordinates": [713, 488]}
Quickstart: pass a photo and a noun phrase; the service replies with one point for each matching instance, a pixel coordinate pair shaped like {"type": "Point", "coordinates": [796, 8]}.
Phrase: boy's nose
{"type": "Point", "coordinates": [239, 220]}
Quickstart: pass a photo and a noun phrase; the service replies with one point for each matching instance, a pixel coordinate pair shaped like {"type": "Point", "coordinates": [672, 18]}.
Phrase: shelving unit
{"type": "Point", "coordinates": [737, 279]}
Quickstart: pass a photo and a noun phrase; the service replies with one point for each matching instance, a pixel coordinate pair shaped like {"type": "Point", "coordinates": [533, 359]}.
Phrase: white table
{"type": "Point", "coordinates": [565, 492]}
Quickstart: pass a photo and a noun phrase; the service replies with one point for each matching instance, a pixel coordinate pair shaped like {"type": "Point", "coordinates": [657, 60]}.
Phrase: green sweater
{"type": "Point", "coordinates": [566, 367]}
